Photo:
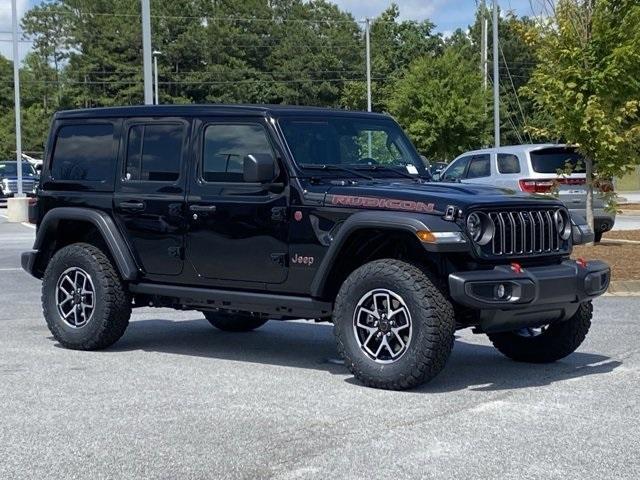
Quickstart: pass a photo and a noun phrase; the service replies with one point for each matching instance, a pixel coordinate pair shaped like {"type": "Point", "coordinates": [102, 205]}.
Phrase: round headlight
{"type": "Point", "coordinates": [563, 224]}
{"type": "Point", "coordinates": [474, 226]}
{"type": "Point", "coordinates": [480, 227]}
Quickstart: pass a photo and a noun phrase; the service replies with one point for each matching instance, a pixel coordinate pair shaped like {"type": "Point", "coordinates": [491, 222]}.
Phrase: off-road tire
{"type": "Point", "coordinates": [112, 300]}
{"type": "Point", "coordinates": [597, 237]}
{"type": "Point", "coordinates": [235, 322]}
{"type": "Point", "coordinates": [557, 341]}
{"type": "Point", "coordinates": [432, 318]}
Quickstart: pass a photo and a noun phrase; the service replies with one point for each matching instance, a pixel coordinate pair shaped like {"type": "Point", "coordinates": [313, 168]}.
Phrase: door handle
{"type": "Point", "coordinates": [133, 205]}
{"type": "Point", "coordinates": [203, 208]}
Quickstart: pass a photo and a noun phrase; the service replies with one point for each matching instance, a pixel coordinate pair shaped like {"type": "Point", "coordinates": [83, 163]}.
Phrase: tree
{"type": "Point", "coordinates": [440, 105]}
{"type": "Point", "coordinates": [587, 82]}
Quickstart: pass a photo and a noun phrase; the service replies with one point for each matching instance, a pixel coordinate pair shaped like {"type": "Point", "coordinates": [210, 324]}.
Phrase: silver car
{"type": "Point", "coordinates": [533, 169]}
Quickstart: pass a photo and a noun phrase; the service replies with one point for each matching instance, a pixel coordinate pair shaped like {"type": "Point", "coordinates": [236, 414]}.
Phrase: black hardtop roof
{"type": "Point", "coordinates": [212, 109]}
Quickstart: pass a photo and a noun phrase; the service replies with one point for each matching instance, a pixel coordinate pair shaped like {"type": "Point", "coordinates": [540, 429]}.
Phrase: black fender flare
{"type": "Point", "coordinates": [112, 237]}
{"type": "Point", "coordinates": [398, 221]}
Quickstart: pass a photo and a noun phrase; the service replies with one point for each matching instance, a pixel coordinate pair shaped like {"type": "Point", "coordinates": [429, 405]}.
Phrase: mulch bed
{"type": "Point", "coordinates": [623, 258]}
{"type": "Point", "coordinates": [625, 235]}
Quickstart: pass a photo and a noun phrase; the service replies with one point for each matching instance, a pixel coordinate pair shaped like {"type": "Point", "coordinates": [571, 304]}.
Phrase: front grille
{"type": "Point", "coordinates": [525, 232]}
{"type": "Point", "coordinates": [27, 185]}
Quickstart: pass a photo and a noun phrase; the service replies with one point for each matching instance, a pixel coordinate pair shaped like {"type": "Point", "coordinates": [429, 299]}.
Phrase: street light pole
{"type": "Point", "coordinates": [496, 78]}
{"type": "Point", "coordinates": [16, 93]}
{"type": "Point", "coordinates": [146, 51]}
{"type": "Point", "coordinates": [367, 37]}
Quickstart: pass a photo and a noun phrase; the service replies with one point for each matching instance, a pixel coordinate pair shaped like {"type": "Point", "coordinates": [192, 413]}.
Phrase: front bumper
{"type": "Point", "coordinates": [532, 297]}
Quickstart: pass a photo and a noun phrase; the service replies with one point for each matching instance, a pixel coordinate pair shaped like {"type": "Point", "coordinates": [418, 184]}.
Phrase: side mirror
{"type": "Point", "coordinates": [258, 168]}
{"type": "Point", "coordinates": [436, 177]}
{"type": "Point", "coordinates": [38, 167]}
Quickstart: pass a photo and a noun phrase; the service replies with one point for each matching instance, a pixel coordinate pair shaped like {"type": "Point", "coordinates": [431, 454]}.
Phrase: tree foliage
{"type": "Point", "coordinates": [588, 83]}
{"type": "Point", "coordinates": [439, 103]}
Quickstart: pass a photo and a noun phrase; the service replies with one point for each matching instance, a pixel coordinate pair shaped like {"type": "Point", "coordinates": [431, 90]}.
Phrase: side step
{"type": "Point", "coordinates": [289, 305]}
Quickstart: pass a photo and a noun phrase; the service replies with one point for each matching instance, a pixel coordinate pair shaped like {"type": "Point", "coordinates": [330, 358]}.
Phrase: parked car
{"type": "Point", "coordinates": [9, 178]}
{"type": "Point", "coordinates": [534, 169]}
{"type": "Point", "coordinates": [251, 213]}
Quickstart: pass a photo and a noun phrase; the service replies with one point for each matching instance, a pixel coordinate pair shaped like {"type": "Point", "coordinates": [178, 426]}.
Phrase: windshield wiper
{"type": "Point", "coordinates": [337, 168]}
{"type": "Point", "coordinates": [374, 168]}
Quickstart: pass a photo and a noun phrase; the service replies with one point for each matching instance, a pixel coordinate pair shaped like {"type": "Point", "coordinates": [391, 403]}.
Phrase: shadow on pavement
{"type": "Point", "coordinates": [308, 345]}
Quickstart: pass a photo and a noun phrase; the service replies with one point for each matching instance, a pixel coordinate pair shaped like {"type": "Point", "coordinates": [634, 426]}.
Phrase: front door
{"type": "Point", "coordinates": [149, 200]}
{"type": "Point", "coordinates": [238, 231]}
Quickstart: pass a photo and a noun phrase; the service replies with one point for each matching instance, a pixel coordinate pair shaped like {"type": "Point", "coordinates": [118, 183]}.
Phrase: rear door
{"type": "Point", "coordinates": [479, 169]}
{"type": "Point", "coordinates": [149, 200]}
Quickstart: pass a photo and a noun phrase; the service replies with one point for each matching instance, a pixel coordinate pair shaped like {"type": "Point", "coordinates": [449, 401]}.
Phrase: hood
{"type": "Point", "coordinates": [428, 197]}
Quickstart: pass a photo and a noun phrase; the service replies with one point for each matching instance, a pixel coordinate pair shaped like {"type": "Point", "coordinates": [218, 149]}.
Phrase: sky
{"type": "Point", "coordinates": [448, 15]}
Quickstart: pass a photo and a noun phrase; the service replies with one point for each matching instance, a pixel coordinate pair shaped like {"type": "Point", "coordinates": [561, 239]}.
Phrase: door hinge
{"type": "Point", "coordinates": [279, 259]}
{"type": "Point", "coordinates": [279, 214]}
{"type": "Point", "coordinates": [175, 252]}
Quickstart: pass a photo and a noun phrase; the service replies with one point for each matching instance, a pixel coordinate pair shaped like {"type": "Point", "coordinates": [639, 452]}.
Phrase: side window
{"type": "Point", "coordinates": [479, 167]}
{"type": "Point", "coordinates": [224, 149]}
{"type": "Point", "coordinates": [508, 163]}
{"type": "Point", "coordinates": [154, 152]}
{"type": "Point", "coordinates": [84, 153]}
{"type": "Point", "coordinates": [457, 169]}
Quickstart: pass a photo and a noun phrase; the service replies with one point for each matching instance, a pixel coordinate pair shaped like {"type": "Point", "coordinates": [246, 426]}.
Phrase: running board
{"type": "Point", "coordinates": [289, 305]}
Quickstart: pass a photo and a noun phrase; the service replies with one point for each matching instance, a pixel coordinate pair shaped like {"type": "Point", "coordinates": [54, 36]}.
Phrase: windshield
{"type": "Point", "coordinates": [358, 143]}
{"type": "Point", "coordinates": [10, 169]}
{"type": "Point", "coordinates": [550, 160]}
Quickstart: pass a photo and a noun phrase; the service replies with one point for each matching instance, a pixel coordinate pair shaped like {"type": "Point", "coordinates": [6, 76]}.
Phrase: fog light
{"type": "Point", "coordinates": [500, 292]}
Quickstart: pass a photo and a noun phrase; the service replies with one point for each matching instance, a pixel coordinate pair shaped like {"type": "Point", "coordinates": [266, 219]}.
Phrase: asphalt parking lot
{"type": "Point", "coordinates": [175, 398]}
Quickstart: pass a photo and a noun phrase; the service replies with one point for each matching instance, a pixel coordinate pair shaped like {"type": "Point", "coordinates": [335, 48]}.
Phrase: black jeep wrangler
{"type": "Point", "coordinates": [251, 213]}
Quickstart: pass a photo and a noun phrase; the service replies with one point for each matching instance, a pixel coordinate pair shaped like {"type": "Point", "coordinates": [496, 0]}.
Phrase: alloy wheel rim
{"type": "Point", "coordinates": [382, 325]}
{"type": "Point", "coordinates": [75, 297]}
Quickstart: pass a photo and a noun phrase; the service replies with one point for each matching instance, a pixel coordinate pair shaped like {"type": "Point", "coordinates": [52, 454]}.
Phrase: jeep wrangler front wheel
{"type": "Point", "coordinates": [393, 324]}
{"type": "Point", "coordinates": [548, 343]}
{"type": "Point", "coordinates": [235, 322]}
{"type": "Point", "coordinates": [84, 301]}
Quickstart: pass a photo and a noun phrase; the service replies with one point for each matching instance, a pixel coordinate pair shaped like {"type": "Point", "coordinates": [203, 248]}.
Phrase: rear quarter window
{"type": "Point", "coordinates": [84, 153]}
{"type": "Point", "coordinates": [551, 160]}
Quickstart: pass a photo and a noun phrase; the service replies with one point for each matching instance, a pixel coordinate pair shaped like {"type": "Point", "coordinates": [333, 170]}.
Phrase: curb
{"type": "Point", "coordinates": [624, 288]}
{"type": "Point", "coordinates": [617, 241]}
{"type": "Point", "coordinates": [624, 211]}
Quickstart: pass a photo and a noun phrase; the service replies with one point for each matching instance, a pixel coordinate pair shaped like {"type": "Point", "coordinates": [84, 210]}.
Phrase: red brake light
{"type": "Point", "coordinates": [536, 186]}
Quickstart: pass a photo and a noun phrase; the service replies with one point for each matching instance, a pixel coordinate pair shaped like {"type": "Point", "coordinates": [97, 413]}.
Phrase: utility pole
{"type": "Point", "coordinates": [483, 44]}
{"type": "Point", "coordinates": [146, 52]}
{"type": "Point", "coordinates": [155, 74]}
{"type": "Point", "coordinates": [367, 37]}
{"type": "Point", "coordinates": [496, 78]}
{"type": "Point", "coordinates": [16, 93]}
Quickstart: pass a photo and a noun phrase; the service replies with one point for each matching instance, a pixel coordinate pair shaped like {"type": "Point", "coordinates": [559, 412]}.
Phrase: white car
{"type": "Point", "coordinates": [533, 169]}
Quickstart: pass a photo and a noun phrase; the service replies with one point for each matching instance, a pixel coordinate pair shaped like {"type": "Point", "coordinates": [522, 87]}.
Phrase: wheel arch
{"type": "Point", "coordinates": [64, 225]}
{"type": "Point", "coordinates": [368, 236]}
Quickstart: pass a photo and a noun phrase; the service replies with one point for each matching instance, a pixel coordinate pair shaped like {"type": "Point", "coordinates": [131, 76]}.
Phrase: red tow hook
{"type": "Point", "coordinates": [516, 267]}
{"type": "Point", "coordinates": [582, 262]}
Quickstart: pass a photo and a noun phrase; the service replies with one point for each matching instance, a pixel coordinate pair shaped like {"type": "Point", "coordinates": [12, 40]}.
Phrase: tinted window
{"type": "Point", "coordinates": [154, 153]}
{"type": "Point", "coordinates": [551, 160]}
{"type": "Point", "coordinates": [479, 167]}
{"type": "Point", "coordinates": [84, 153]}
{"type": "Point", "coordinates": [10, 169]}
{"type": "Point", "coordinates": [225, 147]}
{"type": "Point", "coordinates": [350, 142]}
{"type": "Point", "coordinates": [457, 169]}
{"type": "Point", "coordinates": [508, 163]}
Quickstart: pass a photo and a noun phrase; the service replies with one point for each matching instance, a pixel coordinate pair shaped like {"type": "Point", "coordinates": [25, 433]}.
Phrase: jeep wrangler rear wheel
{"type": "Point", "coordinates": [84, 301]}
{"type": "Point", "coordinates": [235, 322]}
{"type": "Point", "coordinates": [393, 324]}
{"type": "Point", "coordinates": [546, 344]}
